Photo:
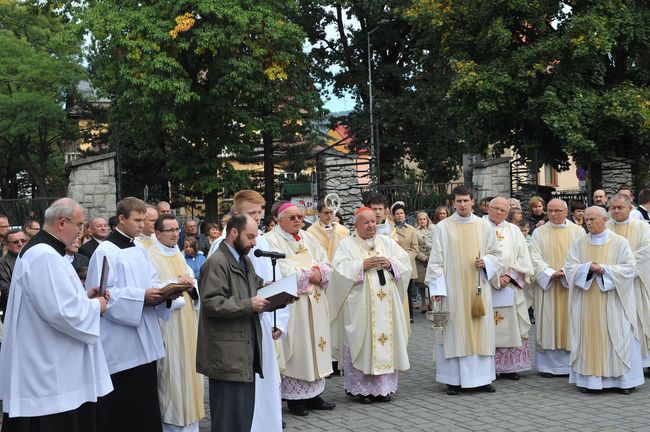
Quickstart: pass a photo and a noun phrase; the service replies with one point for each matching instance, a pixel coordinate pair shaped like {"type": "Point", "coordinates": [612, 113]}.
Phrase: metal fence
{"type": "Point", "coordinates": [19, 210]}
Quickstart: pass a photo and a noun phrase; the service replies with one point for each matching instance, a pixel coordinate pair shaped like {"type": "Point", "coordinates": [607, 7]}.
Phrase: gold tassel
{"type": "Point", "coordinates": [478, 308]}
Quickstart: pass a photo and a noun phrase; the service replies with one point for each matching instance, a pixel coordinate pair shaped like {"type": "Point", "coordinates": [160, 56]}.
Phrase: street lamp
{"type": "Point", "coordinates": [374, 149]}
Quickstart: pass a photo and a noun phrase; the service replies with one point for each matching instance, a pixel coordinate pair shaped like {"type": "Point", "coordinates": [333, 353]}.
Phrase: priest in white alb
{"type": "Point", "coordinates": [605, 349]}
{"type": "Point", "coordinates": [464, 256]}
{"type": "Point", "coordinates": [180, 388]}
{"type": "Point", "coordinates": [548, 251]}
{"type": "Point", "coordinates": [369, 334]}
{"type": "Point", "coordinates": [307, 346]}
{"type": "Point", "coordinates": [511, 321]}
{"type": "Point", "coordinates": [637, 233]}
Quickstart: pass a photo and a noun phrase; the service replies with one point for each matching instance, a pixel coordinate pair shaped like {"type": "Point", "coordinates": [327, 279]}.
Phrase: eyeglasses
{"type": "Point", "coordinates": [174, 230]}
{"type": "Point", "coordinates": [17, 242]}
{"type": "Point", "coordinates": [79, 226]}
{"type": "Point", "coordinates": [294, 218]}
{"type": "Point", "coordinates": [499, 209]}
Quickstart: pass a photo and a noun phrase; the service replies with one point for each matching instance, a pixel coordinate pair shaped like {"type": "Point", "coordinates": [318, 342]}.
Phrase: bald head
{"type": "Point", "coordinates": [498, 210]}
{"type": "Point", "coordinates": [557, 211]}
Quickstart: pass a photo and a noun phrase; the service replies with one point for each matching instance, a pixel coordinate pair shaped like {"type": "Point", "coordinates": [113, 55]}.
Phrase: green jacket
{"type": "Point", "coordinates": [226, 319]}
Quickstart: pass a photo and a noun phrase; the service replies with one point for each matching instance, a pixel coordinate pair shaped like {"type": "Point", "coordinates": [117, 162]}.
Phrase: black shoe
{"type": "Point", "coordinates": [380, 398]}
{"type": "Point", "coordinates": [411, 320]}
{"type": "Point", "coordinates": [317, 403]}
{"type": "Point", "coordinates": [626, 391]}
{"type": "Point", "coordinates": [298, 408]}
{"type": "Point", "coordinates": [335, 369]}
{"type": "Point", "coordinates": [364, 400]}
{"type": "Point", "coordinates": [488, 388]}
{"type": "Point", "coordinates": [511, 376]}
{"type": "Point", "coordinates": [453, 390]}
{"type": "Point", "coordinates": [284, 424]}
{"type": "Point", "coordinates": [546, 375]}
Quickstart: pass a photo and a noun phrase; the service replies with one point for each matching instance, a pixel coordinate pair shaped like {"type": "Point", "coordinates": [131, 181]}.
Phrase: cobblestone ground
{"type": "Point", "coordinates": [530, 404]}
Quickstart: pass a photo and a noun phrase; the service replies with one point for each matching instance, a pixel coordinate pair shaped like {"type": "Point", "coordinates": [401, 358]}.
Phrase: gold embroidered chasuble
{"type": "Point", "coordinates": [307, 346]}
{"type": "Point", "coordinates": [180, 388]}
{"type": "Point", "coordinates": [369, 315]}
{"type": "Point", "coordinates": [637, 234]}
{"type": "Point", "coordinates": [549, 248]}
{"type": "Point", "coordinates": [511, 323]}
{"type": "Point", "coordinates": [602, 323]}
{"type": "Point", "coordinates": [456, 244]}
{"type": "Point", "coordinates": [329, 239]}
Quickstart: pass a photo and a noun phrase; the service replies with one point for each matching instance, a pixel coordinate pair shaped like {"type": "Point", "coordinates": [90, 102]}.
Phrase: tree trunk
{"type": "Point", "coordinates": [269, 172]}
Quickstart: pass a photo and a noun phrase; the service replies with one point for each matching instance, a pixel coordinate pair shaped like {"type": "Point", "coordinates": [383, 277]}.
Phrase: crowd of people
{"type": "Point", "coordinates": [111, 324]}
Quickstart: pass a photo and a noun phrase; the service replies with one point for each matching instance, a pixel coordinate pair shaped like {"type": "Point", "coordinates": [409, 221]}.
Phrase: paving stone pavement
{"type": "Point", "coordinates": [531, 404]}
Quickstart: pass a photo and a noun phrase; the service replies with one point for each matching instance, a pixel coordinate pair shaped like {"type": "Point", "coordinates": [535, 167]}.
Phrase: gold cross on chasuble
{"type": "Point", "coordinates": [301, 250]}
{"type": "Point", "coordinates": [499, 235]}
{"type": "Point", "coordinates": [322, 344]}
{"type": "Point", "coordinates": [316, 295]}
{"type": "Point", "coordinates": [382, 339]}
{"type": "Point", "coordinates": [498, 318]}
{"type": "Point", "coordinates": [381, 294]}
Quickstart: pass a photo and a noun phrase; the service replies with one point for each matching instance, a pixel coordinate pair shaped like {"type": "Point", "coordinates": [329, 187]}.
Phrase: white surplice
{"type": "Point", "coordinates": [463, 358]}
{"type": "Point", "coordinates": [130, 331]}
{"type": "Point", "coordinates": [52, 359]}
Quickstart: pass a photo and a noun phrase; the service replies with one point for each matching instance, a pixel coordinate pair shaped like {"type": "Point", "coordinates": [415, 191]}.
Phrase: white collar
{"type": "Point", "coordinates": [166, 250]}
{"type": "Point", "coordinates": [501, 225]}
{"type": "Point", "coordinates": [625, 222]}
{"type": "Point", "coordinates": [598, 239]}
{"type": "Point", "coordinates": [462, 219]}
{"type": "Point", "coordinates": [562, 225]}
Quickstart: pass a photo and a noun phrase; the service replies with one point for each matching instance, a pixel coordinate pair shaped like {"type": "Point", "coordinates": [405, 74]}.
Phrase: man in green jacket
{"type": "Point", "coordinates": [229, 348]}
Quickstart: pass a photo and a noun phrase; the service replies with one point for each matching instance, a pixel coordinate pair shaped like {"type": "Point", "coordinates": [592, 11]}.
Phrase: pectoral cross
{"type": "Point", "coordinates": [498, 318]}
{"type": "Point", "coordinates": [301, 250]}
{"type": "Point", "coordinates": [382, 339]}
{"type": "Point", "coordinates": [381, 294]}
{"type": "Point", "coordinates": [316, 295]}
{"type": "Point", "coordinates": [322, 344]}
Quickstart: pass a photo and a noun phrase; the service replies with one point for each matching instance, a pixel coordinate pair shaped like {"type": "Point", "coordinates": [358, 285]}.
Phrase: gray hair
{"type": "Point", "coordinates": [598, 209]}
{"type": "Point", "coordinates": [62, 208]}
{"type": "Point", "coordinates": [514, 201]}
{"type": "Point", "coordinates": [622, 197]}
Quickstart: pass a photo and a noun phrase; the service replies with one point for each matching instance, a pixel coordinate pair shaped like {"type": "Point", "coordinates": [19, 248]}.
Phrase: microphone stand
{"type": "Point", "coordinates": [274, 261]}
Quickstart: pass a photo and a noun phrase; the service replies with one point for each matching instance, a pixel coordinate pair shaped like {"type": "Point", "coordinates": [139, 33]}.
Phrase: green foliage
{"type": "Point", "coordinates": [194, 83]}
{"type": "Point", "coordinates": [38, 72]}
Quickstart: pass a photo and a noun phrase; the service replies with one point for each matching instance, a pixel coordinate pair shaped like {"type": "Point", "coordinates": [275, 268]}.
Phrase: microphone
{"type": "Point", "coordinates": [269, 254]}
{"type": "Point", "coordinates": [382, 277]}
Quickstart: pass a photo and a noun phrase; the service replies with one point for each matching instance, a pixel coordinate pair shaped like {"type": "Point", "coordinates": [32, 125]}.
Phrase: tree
{"type": "Point", "coordinates": [39, 70]}
{"type": "Point", "coordinates": [548, 79]}
{"type": "Point", "coordinates": [196, 84]}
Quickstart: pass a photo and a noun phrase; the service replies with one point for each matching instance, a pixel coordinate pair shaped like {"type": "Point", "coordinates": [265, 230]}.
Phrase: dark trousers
{"type": "Point", "coordinates": [133, 404]}
{"type": "Point", "coordinates": [411, 294]}
{"type": "Point", "coordinates": [82, 419]}
{"type": "Point", "coordinates": [231, 405]}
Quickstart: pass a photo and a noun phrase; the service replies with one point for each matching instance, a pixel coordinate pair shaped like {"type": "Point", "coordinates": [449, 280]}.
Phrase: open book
{"type": "Point", "coordinates": [280, 293]}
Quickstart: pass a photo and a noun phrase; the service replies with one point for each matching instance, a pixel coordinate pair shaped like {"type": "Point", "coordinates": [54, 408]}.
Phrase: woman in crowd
{"type": "Point", "coordinates": [212, 233]}
{"type": "Point", "coordinates": [515, 215]}
{"type": "Point", "coordinates": [269, 223]}
{"type": "Point", "coordinates": [441, 213]}
{"type": "Point", "coordinates": [193, 258]}
{"type": "Point", "coordinates": [536, 216]}
{"type": "Point", "coordinates": [578, 214]}
{"type": "Point", "coordinates": [424, 232]}
{"type": "Point", "coordinates": [514, 203]}
{"type": "Point", "coordinates": [408, 240]}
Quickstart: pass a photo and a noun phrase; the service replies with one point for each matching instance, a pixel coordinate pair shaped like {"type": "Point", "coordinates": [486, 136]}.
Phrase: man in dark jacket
{"type": "Point", "coordinates": [99, 230]}
{"type": "Point", "coordinates": [14, 241]}
{"type": "Point", "coordinates": [229, 348]}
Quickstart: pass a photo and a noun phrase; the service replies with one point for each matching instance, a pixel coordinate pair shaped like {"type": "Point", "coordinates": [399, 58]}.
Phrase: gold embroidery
{"type": "Point", "coordinates": [382, 339]}
{"type": "Point", "coordinates": [381, 294]}
{"type": "Point", "coordinates": [322, 344]}
{"type": "Point", "coordinates": [301, 250]}
{"type": "Point", "coordinates": [498, 318]}
{"type": "Point", "coordinates": [316, 295]}
{"type": "Point", "coordinates": [499, 235]}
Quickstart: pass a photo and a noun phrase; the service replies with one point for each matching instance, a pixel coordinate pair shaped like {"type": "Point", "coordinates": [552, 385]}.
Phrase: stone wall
{"type": "Point", "coordinates": [92, 184]}
{"type": "Point", "coordinates": [344, 181]}
{"type": "Point", "coordinates": [616, 173]}
{"type": "Point", "coordinates": [491, 178]}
